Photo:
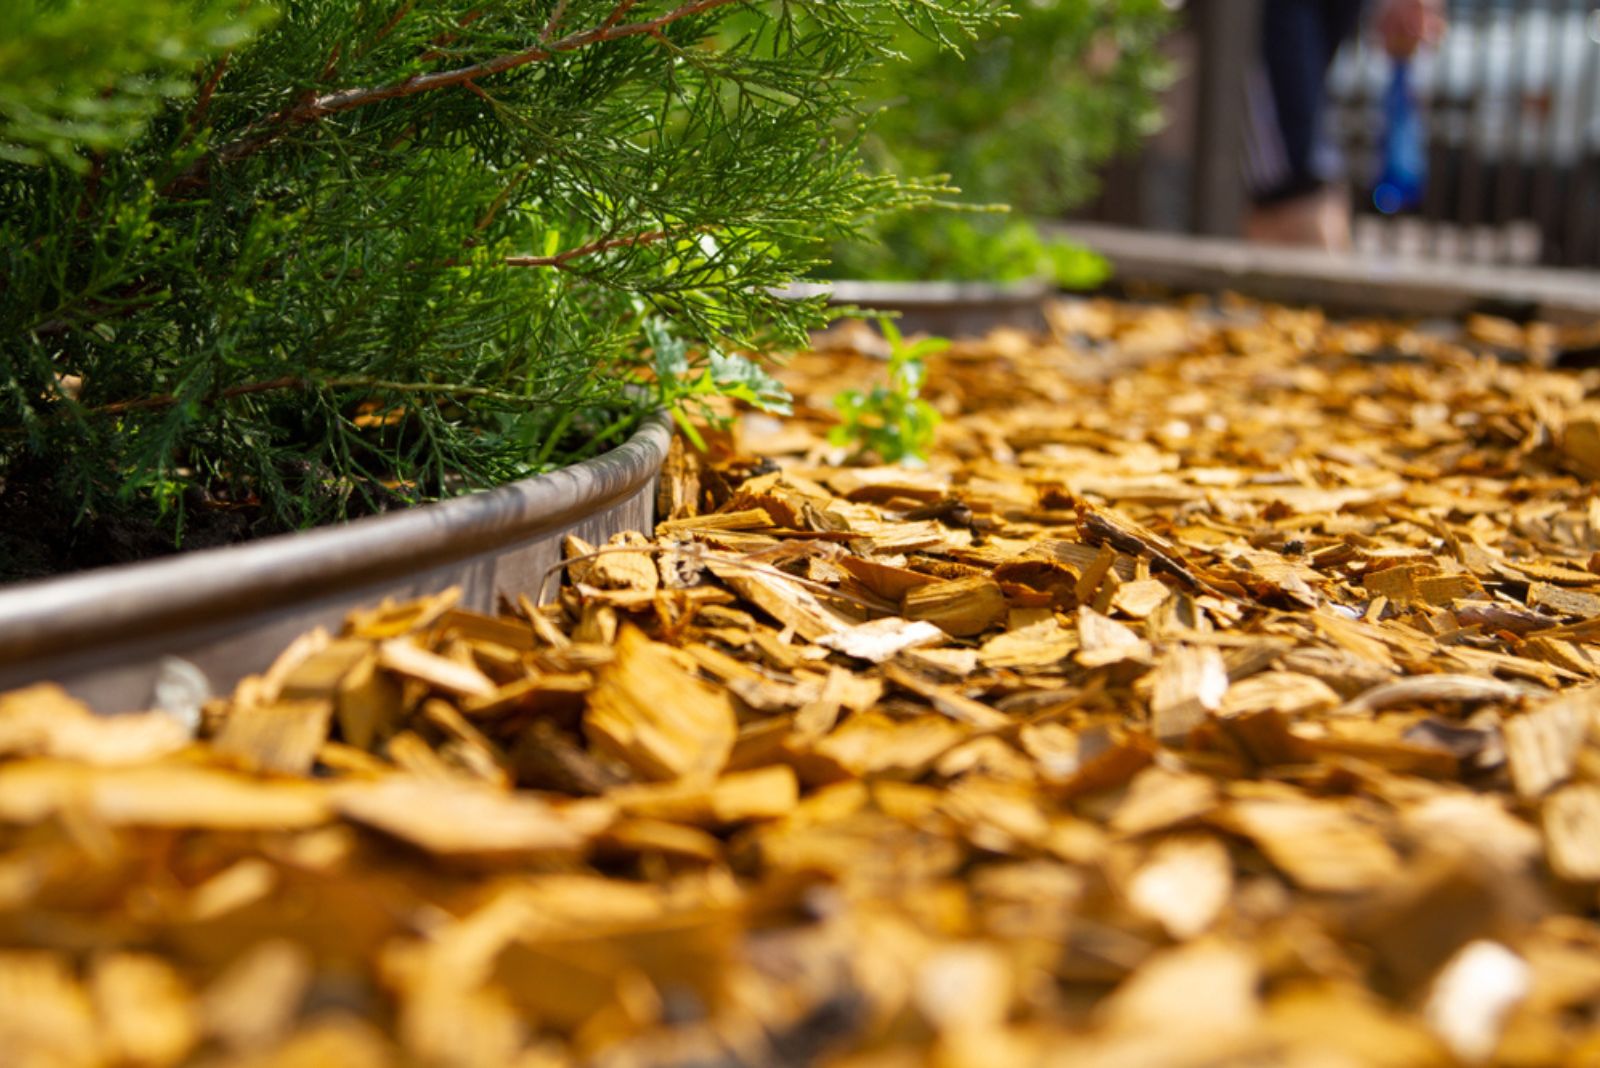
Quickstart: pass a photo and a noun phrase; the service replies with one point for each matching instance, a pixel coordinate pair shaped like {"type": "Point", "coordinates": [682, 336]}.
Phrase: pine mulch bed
{"type": "Point", "coordinates": [1223, 692]}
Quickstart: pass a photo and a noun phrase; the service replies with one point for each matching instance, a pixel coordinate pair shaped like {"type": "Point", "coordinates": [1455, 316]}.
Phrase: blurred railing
{"type": "Point", "coordinates": [1511, 104]}
{"type": "Point", "coordinates": [1511, 107]}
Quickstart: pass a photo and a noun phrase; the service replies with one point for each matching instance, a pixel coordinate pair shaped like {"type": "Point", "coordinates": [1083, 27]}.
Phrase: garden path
{"type": "Point", "coordinates": [1223, 690]}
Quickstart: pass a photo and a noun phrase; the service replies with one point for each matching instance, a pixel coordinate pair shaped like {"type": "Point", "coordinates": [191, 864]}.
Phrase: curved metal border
{"type": "Point", "coordinates": [951, 309]}
{"type": "Point", "coordinates": [870, 294]}
{"type": "Point", "coordinates": [87, 624]}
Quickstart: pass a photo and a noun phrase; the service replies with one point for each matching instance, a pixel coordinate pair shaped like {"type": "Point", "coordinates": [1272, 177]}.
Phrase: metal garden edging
{"type": "Point", "coordinates": [1353, 283]}
{"type": "Point", "coordinates": [950, 309]}
{"type": "Point", "coordinates": [1348, 283]}
{"type": "Point", "coordinates": [105, 634]}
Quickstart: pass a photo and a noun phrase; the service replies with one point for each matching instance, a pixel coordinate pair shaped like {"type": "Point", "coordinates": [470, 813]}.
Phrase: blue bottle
{"type": "Point", "coordinates": [1405, 164]}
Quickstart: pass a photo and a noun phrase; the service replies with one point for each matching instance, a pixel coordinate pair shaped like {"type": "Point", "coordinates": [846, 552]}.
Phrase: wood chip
{"type": "Point", "coordinates": [872, 743]}
{"type": "Point", "coordinates": [790, 604]}
{"type": "Point", "coordinates": [889, 582]}
{"type": "Point", "coordinates": [1209, 986]}
{"type": "Point", "coordinates": [1473, 995]}
{"type": "Point", "coordinates": [610, 569]}
{"type": "Point", "coordinates": [406, 658]}
{"type": "Point", "coordinates": [145, 1009]}
{"type": "Point", "coordinates": [253, 1004]}
{"type": "Point", "coordinates": [882, 639]}
{"type": "Point", "coordinates": [1572, 832]}
{"type": "Point", "coordinates": [738, 797]}
{"type": "Point", "coordinates": [747, 519]}
{"type": "Point", "coordinates": [1140, 599]}
{"type": "Point", "coordinates": [1279, 691]}
{"type": "Point", "coordinates": [44, 1012]}
{"type": "Point", "coordinates": [1183, 884]}
{"type": "Point", "coordinates": [1159, 799]}
{"type": "Point", "coordinates": [1037, 646]}
{"type": "Point", "coordinates": [1543, 744]}
{"type": "Point", "coordinates": [1425, 689]}
{"type": "Point", "coordinates": [651, 714]}
{"type": "Point", "coordinates": [466, 821]}
{"type": "Point", "coordinates": [1103, 641]}
{"type": "Point", "coordinates": [961, 607]}
{"type": "Point", "coordinates": [283, 737]}
{"type": "Point", "coordinates": [947, 700]}
{"type": "Point", "coordinates": [1188, 685]}
{"type": "Point", "coordinates": [1317, 844]}
{"type": "Point", "coordinates": [157, 795]}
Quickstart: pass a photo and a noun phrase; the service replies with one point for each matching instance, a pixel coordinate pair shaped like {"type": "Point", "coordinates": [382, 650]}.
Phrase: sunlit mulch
{"type": "Point", "coordinates": [1222, 692]}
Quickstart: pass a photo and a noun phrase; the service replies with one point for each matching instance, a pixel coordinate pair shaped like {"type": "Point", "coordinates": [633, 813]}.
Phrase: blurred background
{"type": "Point", "coordinates": [1398, 134]}
{"type": "Point", "coordinates": [1507, 114]}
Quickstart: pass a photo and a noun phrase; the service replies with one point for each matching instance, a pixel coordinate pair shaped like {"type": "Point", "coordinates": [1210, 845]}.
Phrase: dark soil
{"type": "Point", "coordinates": [41, 536]}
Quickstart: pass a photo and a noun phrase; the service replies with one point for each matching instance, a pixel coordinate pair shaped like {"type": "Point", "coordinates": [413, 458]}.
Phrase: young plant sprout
{"type": "Point", "coordinates": [892, 421]}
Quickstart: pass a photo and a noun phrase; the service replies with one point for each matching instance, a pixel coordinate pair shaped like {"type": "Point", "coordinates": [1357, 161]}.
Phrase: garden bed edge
{"type": "Point", "coordinates": [106, 634]}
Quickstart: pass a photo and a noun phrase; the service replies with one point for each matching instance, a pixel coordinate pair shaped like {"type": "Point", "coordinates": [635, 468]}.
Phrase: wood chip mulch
{"type": "Point", "coordinates": [1223, 692]}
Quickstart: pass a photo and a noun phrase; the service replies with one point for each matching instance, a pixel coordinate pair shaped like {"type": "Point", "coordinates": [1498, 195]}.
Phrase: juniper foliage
{"type": "Point", "coordinates": [318, 256]}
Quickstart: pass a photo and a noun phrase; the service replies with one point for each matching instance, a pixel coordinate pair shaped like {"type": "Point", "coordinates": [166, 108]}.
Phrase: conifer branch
{"type": "Point", "coordinates": [167, 400]}
{"type": "Point", "coordinates": [346, 99]}
{"type": "Point", "coordinates": [499, 202]}
{"type": "Point", "coordinates": [449, 38]}
{"type": "Point", "coordinates": [303, 383]}
{"type": "Point", "coordinates": [388, 27]}
{"type": "Point", "coordinates": [556, 16]}
{"type": "Point", "coordinates": [618, 13]}
{"type": "Point", "coordinates": [203, 103]}
{"type": "Point", "coordinates": [315, 107]}
{"type": "Point", "coordinates": [331, 67]}
{"type": "Point", "coordinates": [560, 260]}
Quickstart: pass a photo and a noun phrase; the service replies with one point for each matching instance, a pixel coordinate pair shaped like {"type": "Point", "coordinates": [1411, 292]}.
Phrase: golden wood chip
{"type": "Point", "coordinates": [651, 714]}
{"type": "Point", "coordinates": [461, 820]}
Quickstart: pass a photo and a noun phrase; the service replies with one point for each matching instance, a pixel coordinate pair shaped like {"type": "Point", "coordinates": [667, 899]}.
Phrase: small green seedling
{"type": "Point", "coordinates": [688, 382]}
{"type": "Point", "coordinates": [892, 421]}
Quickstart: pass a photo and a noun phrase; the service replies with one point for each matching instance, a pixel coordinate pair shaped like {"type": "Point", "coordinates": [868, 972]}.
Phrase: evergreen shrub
{"type": "Point", "coordinates": [270, 265]}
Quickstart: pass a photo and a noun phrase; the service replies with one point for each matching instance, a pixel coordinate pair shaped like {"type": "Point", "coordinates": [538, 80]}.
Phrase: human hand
{"type": "Point", "coordinates": [1406, 25]}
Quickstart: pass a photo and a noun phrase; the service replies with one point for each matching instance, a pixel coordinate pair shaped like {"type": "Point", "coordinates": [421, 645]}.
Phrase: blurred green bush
{"type": "Point", "coordinates": [1019, 125]}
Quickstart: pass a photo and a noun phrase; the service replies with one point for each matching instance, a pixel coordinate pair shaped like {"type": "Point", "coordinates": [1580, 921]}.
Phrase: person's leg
{"type": "Point", "coordinates": [1292, 50]}
{"type": "Point", "coordinates": [1300, 202]}
{"type": "Point", "coordinates": [1341, 20]}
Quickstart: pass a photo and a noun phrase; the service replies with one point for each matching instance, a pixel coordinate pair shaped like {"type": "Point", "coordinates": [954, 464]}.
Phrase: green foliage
{"type": "Point", "coordinates": [688, 381]}
{"type": "Point", "coordinates": [966, 246]}
{"type": "Point", "coordinates": [892, 421]}
{"type": "Point", "coordinates": [331, 255]}
{"type": "Point", "coordinates": [76, 75]}
{"type": "Point", "coordinates": [1020, 122]}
